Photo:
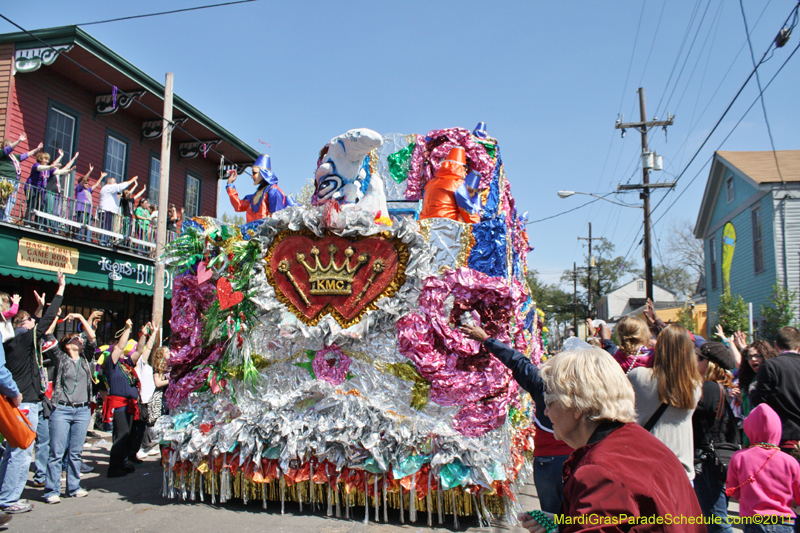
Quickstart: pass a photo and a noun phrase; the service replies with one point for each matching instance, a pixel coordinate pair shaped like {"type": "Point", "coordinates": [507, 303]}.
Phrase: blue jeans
{"type": "Point", "coordinates": [16, 461]}
{"type": "Point", "coordinates": [768, 528]}
{"type": "Point", "coordinates": [42, 450]}
{"type": "Point", "coordinates": [713, 502]}
{"type": "Point", "coordinates": [548, 481]}
{"type": "Point", "coordinates": [68, 426]}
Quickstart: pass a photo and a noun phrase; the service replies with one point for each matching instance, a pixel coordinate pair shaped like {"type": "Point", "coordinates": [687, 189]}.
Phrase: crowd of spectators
{"type": "Point", "coordinates": [120, 208]}
{"type": "Point", "coordinates": [58, 383]}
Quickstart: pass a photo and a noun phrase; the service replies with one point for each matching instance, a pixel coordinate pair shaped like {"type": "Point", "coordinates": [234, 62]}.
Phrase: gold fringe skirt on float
{"type": "Point", "coordinates": [207, 485]}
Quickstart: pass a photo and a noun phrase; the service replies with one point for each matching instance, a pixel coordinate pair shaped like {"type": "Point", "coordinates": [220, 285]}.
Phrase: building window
{"type": "Point", "coordinates": [62, 130]}
{"type": "Point", "coordinates": [192, 201]}
{"type": "Point", "coordinates": [712, 259]}
{"type": "Point", "coordinates": [729, 189]}
{"type": "Point", "coordinates": [155, 176]}
{"type": "Point", "coordinates": [116, 158]}
{"type": "Point", "coordinates": [758, 242]}
{"type": "Point", "coordinates": [640, 286]}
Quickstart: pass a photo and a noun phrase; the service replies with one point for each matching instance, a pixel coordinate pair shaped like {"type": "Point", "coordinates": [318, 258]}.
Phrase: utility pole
{"type": "Point", "coordinates": [163, 200]}
{"type": "Point", "coordinates": [643, 126]}
{"type": "Point", "coordinates": [589, 267]}
{"type": "Point", "coordinates": [575, 298]}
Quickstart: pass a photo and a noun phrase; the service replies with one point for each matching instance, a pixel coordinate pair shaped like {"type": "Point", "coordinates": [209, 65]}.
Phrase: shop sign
{"type": "Point", "coordinates": [45, 256]}
{"type": "Point", "coordinates": [141, 274]}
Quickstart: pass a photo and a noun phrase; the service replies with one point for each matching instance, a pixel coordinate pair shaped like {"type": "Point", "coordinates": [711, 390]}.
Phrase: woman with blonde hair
{"type": "Point", "coordinates": [618, 470]}
{"type": "Point", "coordinates": [667, 393]}
{"type": "Point", "coordinates": [634, 338]}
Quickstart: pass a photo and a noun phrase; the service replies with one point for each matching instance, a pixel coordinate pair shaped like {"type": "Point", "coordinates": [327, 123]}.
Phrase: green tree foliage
{"type": "Point", "coordinates": [733, 314]}
{"type": "Point", "coordinates": [686, 317]}
{"type": "Point", "coordinates": [546, 295]}
{"type": "Point", "coordinates": [237, 220]}
{"type": "Point", "coordinates": [606, 274]}
{"type": "Point", "coordinates": [674, 278]}
{"type": "Point", "coordinates": [778, 312]}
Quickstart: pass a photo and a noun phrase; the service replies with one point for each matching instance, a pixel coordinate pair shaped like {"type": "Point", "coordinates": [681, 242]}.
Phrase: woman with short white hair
{"type": "Point", "coordinates": [620, 477]}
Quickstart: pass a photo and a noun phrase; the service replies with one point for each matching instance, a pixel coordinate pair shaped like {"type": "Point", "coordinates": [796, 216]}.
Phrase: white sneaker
{"type": "Point", "coordinates": [80, 493]}
{"type": "Point", "coordinates": [52, 498]}
{"type": "Point", "coordinates": [141, 455]}
{"type": "Point", "coordinates": [155, 451]}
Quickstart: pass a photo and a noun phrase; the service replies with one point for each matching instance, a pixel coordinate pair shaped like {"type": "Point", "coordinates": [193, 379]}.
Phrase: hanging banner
{"type": "Point", "coordinates": [728, 247]}
{"type": "Point", "coordinates": [47, 256]}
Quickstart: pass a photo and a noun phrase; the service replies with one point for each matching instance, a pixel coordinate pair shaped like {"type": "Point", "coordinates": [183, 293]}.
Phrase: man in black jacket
{"type": "Point", "coordinates": [778, 385]}
{"type": "Point", "coordinates": [22, 361]}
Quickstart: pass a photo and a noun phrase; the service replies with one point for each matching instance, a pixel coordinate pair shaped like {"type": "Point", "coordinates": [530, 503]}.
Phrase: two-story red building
{"type": "Point", "coordinates": [62, 87]}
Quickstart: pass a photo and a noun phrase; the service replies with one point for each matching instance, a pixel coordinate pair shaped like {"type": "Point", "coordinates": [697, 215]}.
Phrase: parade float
{"type": "Point", "coordinates": [316, 355]}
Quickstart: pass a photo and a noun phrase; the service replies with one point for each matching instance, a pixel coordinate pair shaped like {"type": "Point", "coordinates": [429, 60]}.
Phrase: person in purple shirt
{"type": "Point", "coordinates": [83, 203]}
{"type": "Point", "coordinates": [11, 170]}
{"type": "Point", "coordinates": [38, 181]}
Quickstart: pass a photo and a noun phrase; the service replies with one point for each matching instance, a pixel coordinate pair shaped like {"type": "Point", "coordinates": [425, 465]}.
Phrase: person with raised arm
{"type": "Point", "coordinates": [84, 203]}
{"type": "Point", "coordinates": [108, 205]}
{"type": "Point", "coordinates": [11, 170]}
{"type": "Point", "coordinates": [54, 190]}
{"type": "Point", "coordinates": [25, 366]}
{"type": "Point", "coordinates": [69, 421]}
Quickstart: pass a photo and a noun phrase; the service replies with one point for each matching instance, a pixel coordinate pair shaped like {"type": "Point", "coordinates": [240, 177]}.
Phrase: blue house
{"type": "Point", "coordinates": [761, 201]}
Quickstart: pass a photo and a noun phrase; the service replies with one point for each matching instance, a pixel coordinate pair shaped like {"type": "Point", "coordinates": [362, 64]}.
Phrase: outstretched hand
{"type": "Point", "coordinates": [15, 299]}
{"type": "Point", "coordinates": [474, 332]}
{"type": "Point", "coordinates": [40, 299]}
{"type": "Point", "coordinates": [740, 340]}
{"type": "Point", "coordinates": [720, 332]}
{"type": "Point", "coordinates": [232, 176]}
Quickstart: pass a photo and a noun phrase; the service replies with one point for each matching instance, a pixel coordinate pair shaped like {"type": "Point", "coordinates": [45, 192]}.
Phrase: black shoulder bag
{"type": "Point", "coordinates": [717, 457]}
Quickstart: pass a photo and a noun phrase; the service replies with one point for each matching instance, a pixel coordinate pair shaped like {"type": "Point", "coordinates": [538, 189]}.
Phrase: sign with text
{"type": "Point", "coordinates": [46, 256]}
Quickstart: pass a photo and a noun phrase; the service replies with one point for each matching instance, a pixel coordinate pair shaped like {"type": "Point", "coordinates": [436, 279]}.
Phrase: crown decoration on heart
{"type": "Point", "coordinates": [226, 295]}
{"type": "Point", "coordinates": [334, 275]}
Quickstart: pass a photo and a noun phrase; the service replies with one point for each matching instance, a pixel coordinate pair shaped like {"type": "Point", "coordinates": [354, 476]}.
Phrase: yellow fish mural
{"type": "Point", "coordinates": [728, 246]}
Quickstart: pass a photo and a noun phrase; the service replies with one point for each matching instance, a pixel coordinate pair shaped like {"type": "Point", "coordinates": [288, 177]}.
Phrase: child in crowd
{"type": "Point", "coordinates": [634, 338]}
{"type": "Point", "coordinates": [9, 305]}
{"type": "Point", "coordinates": [765, 480]}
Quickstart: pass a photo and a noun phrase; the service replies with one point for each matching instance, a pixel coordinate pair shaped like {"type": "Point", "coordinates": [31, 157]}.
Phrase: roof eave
{"type": "Point", "coordinates": [77, 36]}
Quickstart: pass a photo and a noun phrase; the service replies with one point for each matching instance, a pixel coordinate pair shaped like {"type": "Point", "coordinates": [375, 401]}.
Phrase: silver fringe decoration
{"type": "Point", "coordinates": [311, 487]}
{"type": "Point", "coordinates": [213, 480]}
{"type": "Point", "coordinates": [223, 479]}
{"type": "Point", "coordinates": [477, 510]}
{"type": "Point", "coordinates": [402, 511]}
{"type": "Point", "coordinates": [329, 511]}
{"type": "Point", "coordinates": [193, 494]}
{"type": "Point", "coordinates": [377, 498]}
{"type": "Point", "coordinates": [385, 507]}
{"type": "Point", "coordinates": [428, 501]}
{"type": "Point", "coordinates": [200, 483]}
{"type": "Point", "coordinates": [183, 484]}
{"type": "Point", "coordinates": [346, 503]}
{"type": "Point", "coordinates": [263, 495]}
{"type": "Point", "coordinates": [366, 504]}
{"type": "Point", "coordinates": [412, 499]}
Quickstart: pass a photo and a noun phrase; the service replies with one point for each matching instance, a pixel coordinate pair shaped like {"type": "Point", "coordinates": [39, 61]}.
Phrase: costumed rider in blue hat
{"type": "Point", "coordinates": [468, 193]}
{"type": "Point", "coordinates": [268, 197]}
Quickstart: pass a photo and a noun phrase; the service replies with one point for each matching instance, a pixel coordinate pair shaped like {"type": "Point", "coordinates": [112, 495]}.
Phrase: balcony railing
{"type": "Point", "coordinates": [65, 216]}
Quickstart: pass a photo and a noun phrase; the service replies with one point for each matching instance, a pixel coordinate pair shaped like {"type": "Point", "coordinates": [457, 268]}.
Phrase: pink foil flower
{"type": "Point", "coordinates": [460, 371]}
{"type": "Point", "coordinates": [331, 364]}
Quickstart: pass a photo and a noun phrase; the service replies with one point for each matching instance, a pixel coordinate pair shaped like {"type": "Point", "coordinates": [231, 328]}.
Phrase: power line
{"type": "Point", "coordinates": [567, 211]}
{"type": "Point", "coordinates": [760, 91]}
{"type": "Point", "coordinates": [725, 139]}
{"type": "Point", "coordinates": [165, 12]}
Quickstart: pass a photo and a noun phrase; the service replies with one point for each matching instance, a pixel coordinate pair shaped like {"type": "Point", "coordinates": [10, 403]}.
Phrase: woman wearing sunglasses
{"type": "Point", "coordinates": [69, 421]}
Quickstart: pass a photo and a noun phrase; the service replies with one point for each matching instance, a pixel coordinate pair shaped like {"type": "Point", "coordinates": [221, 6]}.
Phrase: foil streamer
{"type": "Point", "coordinates": [451, 241]}
{"type": "Point", "coordinates": [399, 163]}
{"type": "Point", "coordinates": [459, 369]}
{"type": "Point", "coordinates": [491, 247]}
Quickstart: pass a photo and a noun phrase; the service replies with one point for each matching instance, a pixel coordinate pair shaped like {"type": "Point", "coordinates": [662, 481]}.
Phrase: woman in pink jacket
{"type": "Point", "coordinates": [764, 479]}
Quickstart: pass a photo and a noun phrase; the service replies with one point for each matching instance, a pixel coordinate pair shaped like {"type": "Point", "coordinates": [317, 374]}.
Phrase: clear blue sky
{"type": "Point", "coordinates": [549, 79]}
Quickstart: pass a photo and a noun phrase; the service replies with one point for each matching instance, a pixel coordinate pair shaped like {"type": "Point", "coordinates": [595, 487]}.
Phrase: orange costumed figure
{"type": "Point", "coordinates": [439, 200]}
{"type": "Point", "coordinates": [268, 197]}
